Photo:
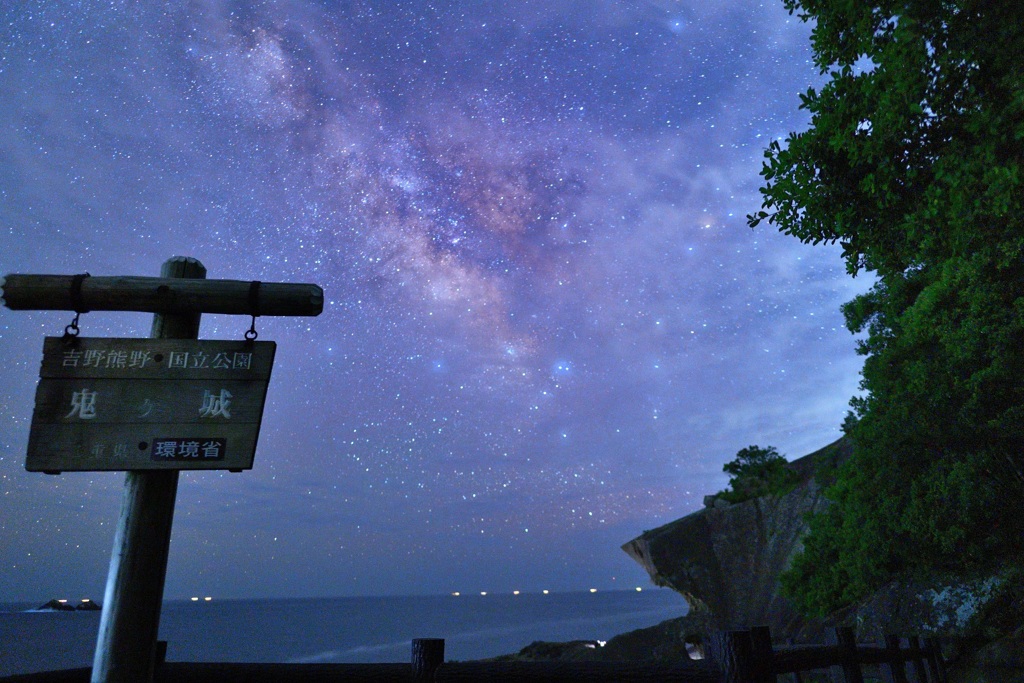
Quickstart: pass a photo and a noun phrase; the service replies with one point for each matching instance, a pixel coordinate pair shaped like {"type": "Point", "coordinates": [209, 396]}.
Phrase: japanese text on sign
{"type": "Point", "coordinates": [183, 360]}
{"type": "Point", "coordinates": [187, 449]}
{"type": "Point", "coordinates": [83, 405]}
{"type": "Point", "coordinates": [148, 404]}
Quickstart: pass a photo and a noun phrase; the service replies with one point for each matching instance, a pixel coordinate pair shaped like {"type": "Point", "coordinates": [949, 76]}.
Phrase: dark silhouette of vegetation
{"type": "Point", "coordinates": [757, 472]}
{"type": "Point", "coordinates": [913, 164]}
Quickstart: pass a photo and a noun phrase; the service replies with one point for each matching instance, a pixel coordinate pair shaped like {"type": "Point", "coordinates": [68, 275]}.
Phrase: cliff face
{"type": "Point", "coordinates": [726, 559]}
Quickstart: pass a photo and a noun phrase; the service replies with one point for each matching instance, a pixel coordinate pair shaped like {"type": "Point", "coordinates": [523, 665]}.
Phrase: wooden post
{"type": "Point", "coordinates": [427, 656]}
{"type": "Point", "coordinates": [935, 661]}
{"type": "Point", "coordinates": [895, 670]}
{"type": "Point", "coordinates": [159, 654]}
{"type": "Point", "coordinates": [918, 658]}
{"type": "Point", "coordinates": [848, 670]}
{"type": "Point", "coordinates": [797, 678]}
{"type": "Point", "coordinates": [130, 620]}
{"type": "Point", "coordinates": [733, 653]}
{"type": "Point", "coordinates": [763, 654]}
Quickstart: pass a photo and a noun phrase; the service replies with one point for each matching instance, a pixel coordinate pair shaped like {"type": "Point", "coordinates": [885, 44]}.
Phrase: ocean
{"type": "Point", "coordinates": [353, 629]}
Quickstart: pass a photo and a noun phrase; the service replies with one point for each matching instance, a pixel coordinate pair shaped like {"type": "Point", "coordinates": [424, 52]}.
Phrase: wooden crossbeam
{"type": "Point", "coordinates": [169, 296]}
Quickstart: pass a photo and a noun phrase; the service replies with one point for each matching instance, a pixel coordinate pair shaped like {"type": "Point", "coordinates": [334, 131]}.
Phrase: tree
{"type": "Point", "coordinates": [913, 163]}
{"type": "Point", "coordinates": [757, 472]}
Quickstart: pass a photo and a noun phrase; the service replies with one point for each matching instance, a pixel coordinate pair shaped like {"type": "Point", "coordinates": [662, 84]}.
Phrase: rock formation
{"type": "Point", "coordinates": [56, 605]}
{"type": "Point", "coordinates": [726, 559]}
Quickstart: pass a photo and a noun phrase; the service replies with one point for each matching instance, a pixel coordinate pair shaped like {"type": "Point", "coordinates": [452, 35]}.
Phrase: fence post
{"type": "Point", "coordinates": [848, 670]}
{"type": "Point", "coordinates": [427, 656]}
{"type": "Point", "coordinates": [797, 678]}
{"type": "Point", "coordinates": [159, 654]}
{"type": "Point", "coordinates": [918, 657]}
{"type": "Point", "coordinates": [763, 654]}
{"type": "Point", "coordinates": [894, 668]}
{"type": "Point", "coordinates": [733, 653]}
{"type": "Point", "coordinates": [935, 663]}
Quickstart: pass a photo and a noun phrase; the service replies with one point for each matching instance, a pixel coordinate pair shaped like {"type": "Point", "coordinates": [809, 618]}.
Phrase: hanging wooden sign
{"type": "Point", "coordinates": [147, 404]}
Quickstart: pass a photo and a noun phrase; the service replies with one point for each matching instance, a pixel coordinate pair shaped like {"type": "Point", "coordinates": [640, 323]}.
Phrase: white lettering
{"type": "Point", "coordinates": [83, 404]}
{"type": "Point", "coordinates": [146, 408]}
{"type": "Point", "coordinates": [199, 360]}
{"type": "Point", "coordinates": [178, 359]}
{"type": "Point", "coordinates": [93, 358]}
{"type": "Point", "coordinates": [215, 405]}
{"type": "Point", "coordinates": [138, 359]}
{"type": "Point", "coordinates": [117, 359]}
{"type": "Point", "coordinates": [165, 449]}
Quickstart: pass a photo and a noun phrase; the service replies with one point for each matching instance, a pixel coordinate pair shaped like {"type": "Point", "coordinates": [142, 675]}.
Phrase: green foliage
{"type": "Point", "coordinates": [757, 472]}
{"type": "Point", "coordinates": [914, 163]}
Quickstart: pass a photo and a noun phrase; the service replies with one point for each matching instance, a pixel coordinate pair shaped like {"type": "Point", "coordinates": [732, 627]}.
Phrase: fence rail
{"type": "Point", "coordinates": [732, 657]}
{"type": "Point", "coordinates": [749, 657]}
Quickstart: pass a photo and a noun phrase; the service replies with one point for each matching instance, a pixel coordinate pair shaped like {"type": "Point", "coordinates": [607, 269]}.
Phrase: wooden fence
{"type": "Point", "coordinates": [732, 657]}
{"type": "Point", "coordinates": [748, 657]}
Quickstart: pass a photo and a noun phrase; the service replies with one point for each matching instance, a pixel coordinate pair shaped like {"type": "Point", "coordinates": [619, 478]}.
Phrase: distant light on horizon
{"type": "Point", "coordinates": [545, 591]}
{"type": "Point", "coordinates": [515, 592]}
{"type": "Point", "coordinates": [195, 598]}
{"type": "Point", "coordinates": [207, 598]}
{"type": "Point", "coordinates": [593, 590]}
{"type": "Point", "coordinates": [456, 593]}
{"type": "Point", "coordinates": [483, 592]}
{"type": "Point", "coordinates": [638, 589]}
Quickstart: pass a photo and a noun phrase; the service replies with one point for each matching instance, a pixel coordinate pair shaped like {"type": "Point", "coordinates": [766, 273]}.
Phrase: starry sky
{"type": "Point", "coordinates": [547, 324]}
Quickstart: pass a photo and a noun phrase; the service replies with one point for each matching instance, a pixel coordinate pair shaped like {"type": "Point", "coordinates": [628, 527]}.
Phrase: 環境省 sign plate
{"type": "Point", "coordinates": [145, 404]}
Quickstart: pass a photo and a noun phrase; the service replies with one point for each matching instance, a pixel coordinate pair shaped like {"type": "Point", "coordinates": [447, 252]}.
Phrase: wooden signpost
{"type": "Point", "coordinates": [112, 404]}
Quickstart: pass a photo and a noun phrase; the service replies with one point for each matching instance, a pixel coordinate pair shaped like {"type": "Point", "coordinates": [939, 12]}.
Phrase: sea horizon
{"type": "Point", "coordinates": [357, 629]}
{"type": "Point", "coordinates": [32, 604]}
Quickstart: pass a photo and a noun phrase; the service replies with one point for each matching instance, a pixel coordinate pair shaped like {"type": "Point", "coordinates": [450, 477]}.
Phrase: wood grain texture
{"type": "Point", "coordinates": [130, 621]}
{"type": "Point", "coordinates": [159, 295]}
{"type": "Point", "coordinates": [102, 403]}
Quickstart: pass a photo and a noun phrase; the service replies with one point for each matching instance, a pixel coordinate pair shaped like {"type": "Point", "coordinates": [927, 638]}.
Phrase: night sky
{"type": "Point", "coordinates": [547, 324]}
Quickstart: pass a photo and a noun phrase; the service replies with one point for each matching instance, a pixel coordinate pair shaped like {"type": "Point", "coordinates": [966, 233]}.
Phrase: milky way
{"type": "Point", "coordinates": [547, 325]}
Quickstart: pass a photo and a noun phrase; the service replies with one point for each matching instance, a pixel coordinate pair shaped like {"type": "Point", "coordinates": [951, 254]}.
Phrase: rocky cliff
{"type": "Point", "coordinates": [726, 559]}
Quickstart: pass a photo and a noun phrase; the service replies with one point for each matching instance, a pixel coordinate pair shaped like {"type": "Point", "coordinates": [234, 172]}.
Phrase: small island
{"type": "Point", "coordinates": [55, 605]}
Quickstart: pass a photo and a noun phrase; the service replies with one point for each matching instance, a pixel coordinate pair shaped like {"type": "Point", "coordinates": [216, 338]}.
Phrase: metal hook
{"type": "Point", "coordinates": [72, 329]}
{"type": "Point", "coordinates": [254, 309]}
{"type": "Point", "coordinates": [76, 300]}
{"type": "Point", "coordinates": [251, 333]}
